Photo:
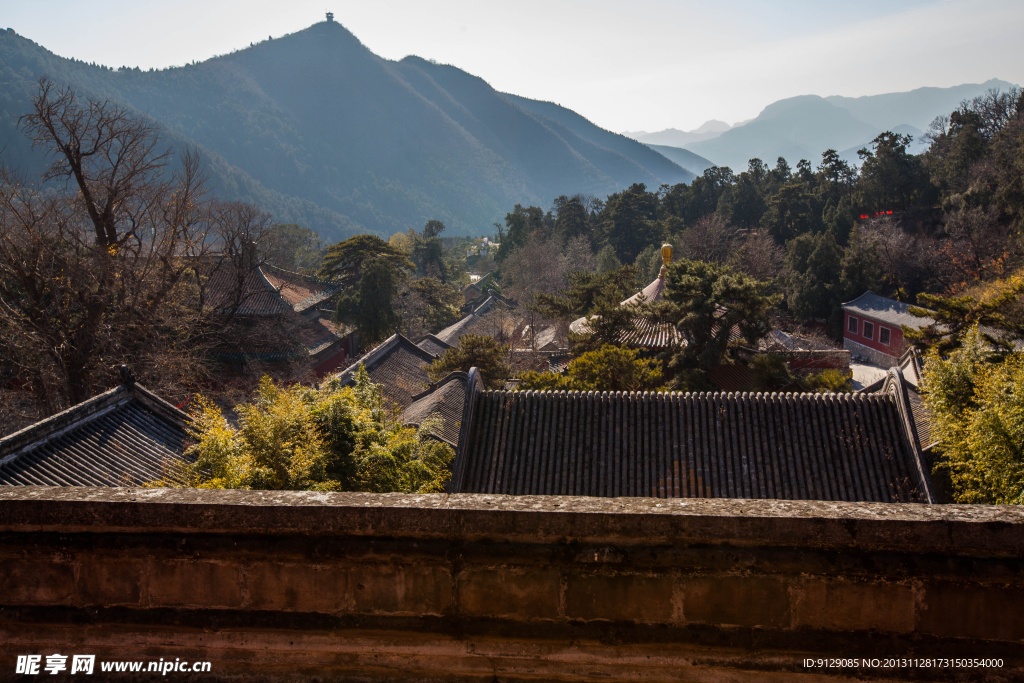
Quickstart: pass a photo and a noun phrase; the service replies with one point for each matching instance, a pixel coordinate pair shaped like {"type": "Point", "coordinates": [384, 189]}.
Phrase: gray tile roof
{"type": "Point", "coordinates": [446, 398]}
{"type": "Point", "coordinates": [123, 437]}
{"type": "Point", "coordinates": [453, 333]}
{"type": "Point", "coordinates": [781, 446]}
{"type": "Point", "coordinates": [432, 344]}
{"type": "Point", "coordinates": [398, 365]}
{"type": "Point", "coordinates": [885, 310]}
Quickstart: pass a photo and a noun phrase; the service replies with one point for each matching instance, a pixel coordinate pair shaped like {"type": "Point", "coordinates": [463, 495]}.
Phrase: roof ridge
{"type": "Point", "coordinates": [434, 386]}
{"type": "Point", "coordinates": [397, 339]}
{"type": "Point", "coordinates": [14, 445]}
{"type": "Point", "coordinates": [312, 278]}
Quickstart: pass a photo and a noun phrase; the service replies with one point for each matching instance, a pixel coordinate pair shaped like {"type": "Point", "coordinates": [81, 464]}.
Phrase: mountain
{"type": "Point", "coordinates": [620, 144]}
{"type": "Point", "coordinates": [672, 137]}
{"type": "Point", "coordinates": [322, 132]}
{"type": "Point", "coordinates": [795, 128]}
{"type": "Point", "coordinates": [803, 127]}
{"type": "Point", "coordinates": [917, 108]}
{"type": "Point", "coordinates": [684, 157]}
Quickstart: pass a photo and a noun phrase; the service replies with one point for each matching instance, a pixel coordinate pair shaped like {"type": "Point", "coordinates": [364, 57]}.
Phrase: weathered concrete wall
{"type": "Point", "coordinates": [289, 586]}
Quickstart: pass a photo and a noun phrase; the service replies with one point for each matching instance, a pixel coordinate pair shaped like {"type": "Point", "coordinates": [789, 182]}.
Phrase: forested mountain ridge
{"type": "Point", "coordinates": [321, 131]}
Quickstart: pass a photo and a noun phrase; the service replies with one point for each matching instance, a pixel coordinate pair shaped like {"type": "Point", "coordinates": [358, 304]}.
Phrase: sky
{"type": "Point", "coordinates": [641, 65]}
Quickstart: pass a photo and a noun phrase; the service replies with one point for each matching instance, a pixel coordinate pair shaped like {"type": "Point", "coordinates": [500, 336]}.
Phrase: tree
{"type": "Point", "coordinates": [293, 248]}
{"type": "Point", "coordinates": [369, 307]}
{"type": "Point", "coordinates": [428, 305]}
{"type": "Point", "coordinates": [710, 239]}
{"type": "Point", "coordinates": [628, 222]}
{"type": "Point", "coordinates": [891, 179]}
{"type": "Point", "coordinates": [107, 260]}
{"type": "Point", "coordinates": [572, 219]}
{"type": "Point", "coordinates": [428, 252]}
{"type": "Point", "coordinates": [610, 368]}
{"type": "Point", "coordinates": [814, 263]}
{"type": "Point", "coordinates": [579, 298]}
{"type": "Point", "coordinates": [607, 261]}
{"type": "Point", "coordinates": [519, 225]}
{"type": "Point", "coordinates": [474, 351]}
{"type": "Point", "coordinates": [706, 301]}
{"type": "Point", "coordinates": [998, 314]}
{"type": "Point", "coordinates": [859, 272]}
{"type": "Point", "coordinates": [790, 213]}
{"type": "Point", "coordinates": [346, 261]}
{"type": "Point", "coordinates": [759, 256]}
{"type": "Point", "coordinates": [977, 410]}
{"type": "Point", "coordinates": [329, 439]}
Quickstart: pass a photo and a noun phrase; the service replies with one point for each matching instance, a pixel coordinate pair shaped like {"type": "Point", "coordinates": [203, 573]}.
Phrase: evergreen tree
{"type": "Point", "coordinates": [706, 301]}
{"type": "Point", "coordinates": [346, 261]}
{"type": "Point", "coordinates": [629, 222]}
{"type": "Point", "coordinates": [369, 306]}
{"type": "Point", "coordinates": [474, 351]}
{"type": "Point", "coordinates": [609, 368]}
{"type": "Point", "coordinates": [860, 271]}
{"type": "Point", "coordinates": [815, 266]}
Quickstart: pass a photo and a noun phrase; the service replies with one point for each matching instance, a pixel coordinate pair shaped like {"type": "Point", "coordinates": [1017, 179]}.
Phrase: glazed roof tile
{"type": "Point", "coordinates": [431, 344]}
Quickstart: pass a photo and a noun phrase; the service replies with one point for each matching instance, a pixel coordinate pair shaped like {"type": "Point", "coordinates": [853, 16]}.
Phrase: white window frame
{"type": "Point", "coordinates": [888, 331]}
{"type": "Point", "coordinates": [868, 327]}
{"type": "Point", "coordinates": [856, 325]}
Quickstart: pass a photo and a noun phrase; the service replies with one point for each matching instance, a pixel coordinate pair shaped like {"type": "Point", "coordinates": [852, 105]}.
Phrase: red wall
{"type": "Point", "coordinates": [895, 346]}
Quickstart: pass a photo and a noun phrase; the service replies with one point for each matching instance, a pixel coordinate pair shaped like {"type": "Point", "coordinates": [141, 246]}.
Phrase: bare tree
{"type": "Point", "coordinates": [759, 256]}
{"type": "Point", "coordinates": [113, 257]}
{"type": "Point", "coordinates": [711, 239]}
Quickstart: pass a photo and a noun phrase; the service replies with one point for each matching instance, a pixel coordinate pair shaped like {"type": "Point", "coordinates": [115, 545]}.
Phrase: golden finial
{"type": "Point", "coordinates": [666, 258]}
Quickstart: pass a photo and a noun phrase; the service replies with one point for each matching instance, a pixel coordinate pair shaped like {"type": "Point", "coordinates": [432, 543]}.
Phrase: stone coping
{"type": "Point", "coordinates": [968, 530]}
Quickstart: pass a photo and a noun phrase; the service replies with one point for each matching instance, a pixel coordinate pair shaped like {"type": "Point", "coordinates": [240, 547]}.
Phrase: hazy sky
{"type": "Point", "coordinates": [637, 65]}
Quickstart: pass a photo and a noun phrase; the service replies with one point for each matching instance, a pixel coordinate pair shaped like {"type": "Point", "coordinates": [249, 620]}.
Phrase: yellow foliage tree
{"type": "Point", "coordinates": [329, 439]}
{"type": "Point", "coordinates": [977, 407]}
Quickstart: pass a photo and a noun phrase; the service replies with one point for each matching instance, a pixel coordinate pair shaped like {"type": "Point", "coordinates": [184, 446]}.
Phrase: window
{"type": "Point", "coordinates": [869, 330]}
{"type": "Point", "coordinates": [883, 335]}
{"type": "Point", "coordinates": [852, 327]}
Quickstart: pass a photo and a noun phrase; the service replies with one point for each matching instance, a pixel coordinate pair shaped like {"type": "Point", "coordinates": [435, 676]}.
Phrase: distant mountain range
{"type": "Point", "coordinates": [680, 138]}
{"type": "Point", "coordinates": [320, 131]}
{"type": "Point", "coordinates": [803, 127]}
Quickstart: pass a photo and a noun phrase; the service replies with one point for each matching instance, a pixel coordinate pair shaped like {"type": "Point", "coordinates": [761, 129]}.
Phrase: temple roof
{"type": "Point", "coordinates": [301, 292]}
{"type": "Point", "coordinates": [708, 445]}
{"type": "Point", "coordinates": [398, 365]}
{"type": "Point", "coordinates": [123, 437]}
{"type": "Point", "coordinates": [895, 313]}
{"type": "Point", "coordinates": [446, 398]}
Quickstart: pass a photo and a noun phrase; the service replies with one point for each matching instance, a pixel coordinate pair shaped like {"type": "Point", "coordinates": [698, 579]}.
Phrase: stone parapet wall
{"type": "Point", "coordinates": [882, 360]}
{"type": "Point", "coordinates": [293, 585]}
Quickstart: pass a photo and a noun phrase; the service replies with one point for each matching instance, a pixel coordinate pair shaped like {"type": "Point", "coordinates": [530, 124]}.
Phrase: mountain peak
{"type": "Point", "coordinates": [712, 126]}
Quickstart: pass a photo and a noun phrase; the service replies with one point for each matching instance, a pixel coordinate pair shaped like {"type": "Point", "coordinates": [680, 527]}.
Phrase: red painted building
{"type": "Point", "coordinates": [872, 327]}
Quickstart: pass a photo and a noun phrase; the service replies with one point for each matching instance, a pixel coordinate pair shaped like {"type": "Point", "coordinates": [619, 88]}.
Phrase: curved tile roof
{"type": "Point", "coordinates": [398, 366]}
{"type": "Point", "coordinates": [301, 292]}
{"type": "Point", "coordinates": [123, 437]}
{"type": "Point", "coordinates": [447, 398]}
{"type": "Point", "coordinates": [708, 445]}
